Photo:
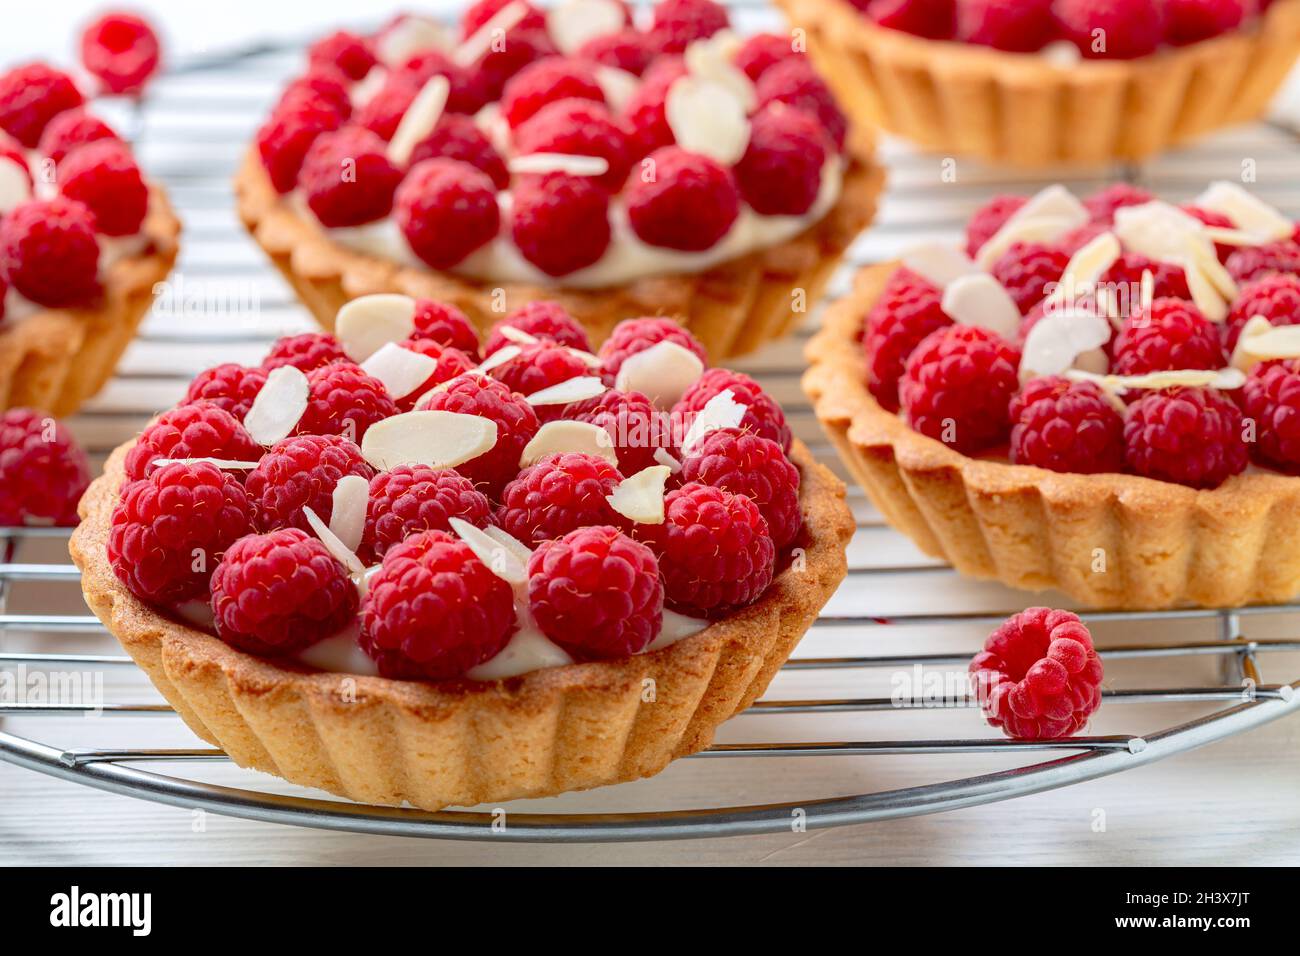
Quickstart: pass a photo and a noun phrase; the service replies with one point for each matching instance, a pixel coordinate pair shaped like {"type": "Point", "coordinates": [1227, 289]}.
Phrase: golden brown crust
{"type": "Point", "coordinates": [55, 359]}
{"type": "Point", "coordinates": [1105, 540]}
{"type": "Point", "coordinates": [466, 742]}
{"type": "Point", "coordinates": [1022, 109]}
{"type": "Point", "coordinates": [732, 308]}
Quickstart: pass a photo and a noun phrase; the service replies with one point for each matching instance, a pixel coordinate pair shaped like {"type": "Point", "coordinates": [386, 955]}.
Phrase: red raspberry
{"type": "Point", "coordinates": [433, 610]}
{"type": "Point", "coordinates": [580, 128]}
{"type": "Point", "coordinates": [445, 324]}
{"type": "Point", "coordinates": [11, 151]}
{"type": "Point", "coordinates": [169, 530]}
{"type": "Point", "coordinates": [542, 320]}
{"type": "Point", "coordinates": [344, 400]}
{"type": "Point", "coordinates": [1171, 335]}
{"type": "Point", "coordinates": [678, 23]}
{"type": "Point", "coordinates": [764, 416]}
{"type": "Point", "coordinates": [466, 95]}
{"type": "Point", "coordinates": [459, 137]}
{"type": "Point", "coordinates": [350, 54]}
{"type": "Point", "coordinates": [781, 171]}
{"type": "Point", "coordinates": [284, 139]}
{"type": "Point", "coordinates": [1189, 21]}
{"type": "Point", "coordinates": [122, 51]}
{"type": "Point", "coordinates": [305, 352]}
{"type": "Point", "coordinates": [908, 310]}
{"type": "Point", "coordinates": [1192, 436]}
{"type": "Point", "coordinates": [1124, 280]}
{"type": "Point", "coordinates": [1102, 204]}
{"type": "Point", "coordinates": [548, 81]}
{"type": "Point", "coordinates": [629, 50]}
{"type": "Point", "coordinates": [323, 89]}
{"type": "Point", "coordinates": [515, 420]}
{"type": "Point", "coordinates": [383, 112]}
{"type": "Point", "coordinates": [557, 495]}
{"type": "Point", "coordinates": [447, 209]}
{"type": "Point", "coordinates": [763, 50]}
{"type": "Point", "coordinates": [520, 47]}
{"type": "Point", "coordinates": [636, 335]}
{"type": "Point", "coordinates": [1271, 399]}
{"type": "Point", "coordinates": [414, 498]}
{"type": "Point", "coordinates": [301, 471]}
{"type": "Point", "coordinates": [69, 130]}
{"type": "Point", "coordinates": [1066, 426]}
{"type": "Point", "coordinates": [715, 550]}
{"type": "Point", "coordinates": [1111, 29]}
{"type": "Point", "coordinates": [348, 178]}
{"type": "Point", "coordinates": [478, 14]}
{"type": "Point", "coordinates": [230, 386]}
{"type": "Point", "coordinates": [31, 96]}
{"type": "Point", "coordinates": [635, 426]}
{"type": "Point", "coordinates": [934, 19]}
{"type": "Point", "coordinates": [794, 83]}
{"type": "Point", "coordinates": [749, 465]}
{"type": "Point", "coordinates": [1039, 676]}
{"type": "Point", "coordinates": [596, 593]}
{"type": "Point", "coordinates": [195, 430]}
{"type": "Point", "coordinates": [1080, 236]}
{"type": "Point", "coordinates": [1275, 297]}
{"type": "Point", "coordinates": [1021, 26]}
{"type": "Point", "coordinates": [644, 111]}
{"type": "Point", "coordinates": [1026, 269]}
{"type": "Point", "coordinates": [43, 471]}
{"type": "Point", "coordinates": [690, 203]}
{"type": "Point", "coordinates": [275, 594]}
{"type": "Point", "coordinates": [560, 223]}
{"type": "Point", "coordinates": [450, 363]}
{"type": "Point", "coordinates": [957, 385]}
{"type": "Point", "coordinates": [103, 176]}
{"type": "Point", "coordinates": [988, 219]}
{"type": "Point", "coordinates": [540, 366]}
{"type": "Point", "coordinates": [1255, 262]}
{"type": "Point", "coordinates": [49, 252]}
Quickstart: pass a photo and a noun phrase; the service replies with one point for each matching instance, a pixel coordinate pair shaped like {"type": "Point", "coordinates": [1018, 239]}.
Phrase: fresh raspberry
{"type": "Point", "coordinates": [956, 387]}
{"type": "Point", "coordinates": [749, 465]}
{"type": "Point", "coordinates": [521, 47]}
{"type": "Point", "coordinates": [43, 471]}
{"type": "Point", "coordinates": [284, 139]}
{"type": "Point", "coordinates": [540, 366]}
{"type": "Point", "coordinates": [49, 252]}
{"type": "Point", "coordinates": [305, 352]}
{"type": "Point", "coordinates": [1271, 399]}
{"type": "Point", "coordinates": [122, 51]}
{"type": "Point", "coordinates": [414, 498]}
{"type": "Point", "coordinates": [1275, 297]}
{"type": "Point", "coordinates": [548, 81]}
{"type": "Point", "coordinates": [635, 427]}
{"type": "Point", "coordinates": [629, 50]}
{"type": "Point", "coordinates": [1171, 335]}
{"type": "Point", "coordinates": [559, 494]}
{"type": "Point", "coordinates": [446, 210]}
{"type": "Point", "coordinates": [636, 335]}
{"type": "Point", "coordinates": [194, 430]}
{"type": "Point", "coordinates": [1102, 204]}
{"type": "Point", "coordinates": [1189, 21]}
{"type": "Point", "coordinates": [323, 89]}
{"type": "Point", "coordinates": [596, 593]}
{"type": "Point", "coordinates": [104, 177]}
{"type": "Point", "coordinates": [348, 178]}
{"type": "Point", "coordinates": [560, 223]}
{"type": "Point", "coordinates": [277, 593]}
{"type": "Point", "coordinates": [1078, 237]}
{"type": "Point", "coordinates": [383, 112]}
{"type": "Point", "coordinates": [451, 362]}
{"type": "Point", "coordinates": [763, 50]}
{"type": "Point", "coordinates": [1026, 269]}
{"type": "Point", "coordinates": [344, 400]}
{"type": "Point", "coordinates": [678, 23]}
{"type": "Point", "coordinates": [988, 219]}
{"type": "Point", "coordinates": [301, 471]}
{"type": "Point", "coordinates": [1039, 676]}
{"type": "Point", "coordinates": [908, 310]}
{"type": "Point", "coordinates": [478, 14]}
{"type": "Point", "coordinates": [515, 420]}
{"type": "Point", "coordinates": [781, 171]}
{"type": "Point", "coordinates": [689, 204]}
{"type": "Point", "coordinates": [1255, 262]}
{"type": "Point", "coordinates": [644, 111]}
{"type": "Point", "coordinates": [433, 610]}
{"type": "Point", "coordinates": [350, 54]}
{"type": "Point", "coordinates": [715, 550]}
{"type": "Point", "coordinates": [1192, 436]}
{"type": "Point", "coordinates": [31, 96]}
{"type": "Point", "coordinates": [1124, 281]}
{"type": "Point", "coordinates": [69, 130]}
{"type": "Point", "coordinates": [542, 320]}
{"type": "Point", "coordinates": [1111, 29]}
{"type": "Point", "coordinates": [763, 416]}
{"type": "Point", "coordinates": [933, 19]}
{"type": "Point", "coordinates": [445, 324]}
{"type": "Point", "coordinates": [794, 83]}
{"type": "Point", "coordinates": [466, 95]}
{"type": "Point", "coordinates": [230, 386]}
{"type": "Point", "coordinates": [581, 128]}
{"type": "Point", "coordinates": [1066, 426]}
{"type": "Point", "coordinates": [1215, 220]}
{"type": "Point", "coordinates": [1021, 26]}
{"type": "Point", "coordinates": [169, 530]}
{"type": "Point", "coordinates": [458, 137]}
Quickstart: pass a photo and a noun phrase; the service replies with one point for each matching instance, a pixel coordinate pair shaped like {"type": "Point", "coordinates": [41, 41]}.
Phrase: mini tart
{"type": "Point", "coordinates": [1162, 544]}
{"type": "Point", "coordinates": [1022, 109]}
{"type": "Point", "coordinates": [56, 359]}
{"type": "Point", "coordinates": [467, 742]}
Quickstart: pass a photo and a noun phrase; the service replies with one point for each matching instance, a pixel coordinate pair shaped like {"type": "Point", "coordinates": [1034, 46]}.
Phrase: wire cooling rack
{"type": "Point", "coordinates": [869, 719]}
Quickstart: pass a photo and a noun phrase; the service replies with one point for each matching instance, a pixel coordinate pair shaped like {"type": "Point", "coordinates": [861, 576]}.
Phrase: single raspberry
{"type": "Point", "coordinates": [466, 93]}
{"type": "Point", "coordinates": [1215, 220]}
{"type": "Point", "coordinates": [1271, 400]}
{"type": "Point", "coordinates": [762, 417]}
{"type": "Point", "coordinates": [445, 324]}
{"type": "Point", "coordinates": [1275, 297]}
{"type": "Point", "coordinates": [169, 530]}
{"type": "Point", "coordinates": [749, 465]}
{"type": "Point", "coordinates": [458, 137]}
{"type": "Point", "coordinates": [781, 171]}
{"type": "Point", "coordinates": [560, 223]}
{"type": "Point", "coordinates": [1190, 21]}
{"type": "Point", "coordinates": [446, 210]}
{"type": "Point", "coordinates": [596, 593]}
{"type": "Point", "coordinates": [1171, 335]}
{"type": "Point", "coordinates": [542, 320]}
{"type": "Point", "coordinates": [414, 498]}
{"type": "Point", "coordinates": [1039, 676]}
{"type": "Point", "coordinates": [449, 363]}
{"type": "Point", "coordinates": [1026, 269]}
{"type": "Point", "coordinates": [559, 494]}
{"type": "Point", "coordinates": [636, 335]}
{"type": "Point", "coordinates": [628, 50]}
{"type": "Point", "coordinates": [69, 130]}
{"type": "Point", "coordinates": [540, 366]}
{"type": "Point", "coordinates": [49, 252]}
{"type": "Point", "coordinates": [305, 352]}
{"type": "Point", "coordinates": [515, 420]}
{"type": "Point", "coordinates": [122, 51]}
{"type": "Point", "coordinates": [104, 177]}
{"type": "Point", "coordinates": [1255, 262]}
{"type": "Point", "coordinates": [689, 204]}
{"type": "Point", "coordinates": [548, 81]}
{"type": "Point", "coordinates": [1192, 436]}
{"type": "Point", "coordinates": [988, 219]}
{"type": "Point", "coordinates": [301, 471]}
{"type": "Point", "coordinates": [794, 83]}
{"type": "Point", "coordinates": [193, 430]}
{"type": "Point", "coordinates": [644, 111]}
{"type": "Point", "coordinates": [1123, 280]}
{"type": "Point", "coordinates": [1021, 26]}
{"type": "Point", "coordinates": [581, 128]}
{"type": "Point", "coordinates": [956, 387]}
{"type": "Point", "coordinates": [715, 550]}
{"type": "Point", "coordinates": [31, 96]}
{"type": "Point", "coordinates": [1102, 204]}
{"type": "Point", "coordinates": [352, 55]}
{"type": "Point", "coordinates": [520, 47]}
{"type": "Point", "coordinates": [635, 427]}
{"type": "Point", "coordinates": [277, 593]}
{"type": "Point", "coordinates": [383, 112]}
{"type": "Point", "coordinates": [230, 386]}
{"type": "Point", "coordinates": [285, 137]}
{"type": "Point", "coordinates": [348, 178]}
{"type": "Point", "coordinates": [763, 50]}
{"type": "Point", "coordinates": [477, 15]}
{"type": "Point", "coordinates": [1066, 426]}
{"type": "Point", "coordinates": [1111, 29]}
{"type": "Point", "coordinates": [433, 610]}
{"type": "Point", "coordinates": [326, 88]}
{"type": "Point", "coordinates": [43, 471]}
{"type": "Point", "coordinates": [933, 19]}
{"type": "Point", "coordinates": [344, 400]}
{"type": "Point", "coordinates": [908, 310]}
{"type": "Point", "coordinates": [679, 23]}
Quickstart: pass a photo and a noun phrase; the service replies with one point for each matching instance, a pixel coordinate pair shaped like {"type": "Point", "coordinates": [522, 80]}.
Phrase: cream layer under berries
{"type": "Point", "coordinates": [407, 501]}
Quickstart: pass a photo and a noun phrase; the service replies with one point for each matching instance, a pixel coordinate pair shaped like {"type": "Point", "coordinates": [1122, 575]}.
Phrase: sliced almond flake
{"type": "Point", "coordinates": [1242, 356]}
{"type": "Point", "coordinates": [15, 187]}
{"type": "Point", "coordinates": [1085, 268]}
{"type": "Point", "coordinates": [367, 324]}
{"type": "Point", "coordinates": [1205, 296]}
{"type": "Point", "coordinates": [586, 358]}
{"type": "Point", "coordinates": [437, 439]}
{"type": "Point", "coordinates": [1039, 229]}
{"type": "Point", "coordinates": [1058, 339]}
{"type": "Point", "coordinates": [349, 504]}
{"type": "Point", "coordinates": [939, 263]}
{"type": "Point", "coordinates": [341, 552]}
{"type": "Point", "coordinates": [981, 301]}
{"type": "Point", "coordinates": [1233, 237]}
{"type": "Point", "coordinates": [500, 559]}
{"type": "Point", "coordinates": [518, 336]}
{"type": "Point", "coordinates": [223, 463]}
{"type": "Point", "coordinates": [480, 41]}
{"type": "Point", "coordinates": [362, 579]}
{"type": "Point", "coordinates": [665, 458]}
{"type": "Point", "coordinates": [443, 386]}
{"type": "Point", "coordinates": [408, 36]}
{"type": "Point", "coordinates": [562, 437]}
{"type": "Point", "coordinates": [510, 542]}
{"type": "Point", "coordinates": [573, 22]}
{"type": "Point", "coordinates": [662, 373]}
{"type": "Point", "coordinates": [713, 59]}
{"type": "Point", "coordinates": [567, 163]}
{"type": "Point", "coordinates": [419, 120]}
{"type": "Point", "coordinates": [1203, 255]}
{"type": "Point", "coordinates": [1261, 342]}
{"type": "Point", "coordinates": [1157, 230]}
{"type": "Point", "coordinates": [641, 497]}
{"type": "Point", "coordinates": [278, 407]}
{"type": "Point", "coordinates": [721, 411]}
{"type": "Point", "coordinates": [1054, 200]}
{"type": "Point", "coordinates": [619, 86]}
{"type": "Point", "coordinates": [400, 370]}
{"type": "Point", "coordinates": [706, 118]}
{"type": "Point", "coordinates": [1246, 211]}
{"type": "Point", "coordinates": [1224, 379]}
{"type": "Point", "coordinates": [507, 353]}
{"type": "Point", "coordinates": [1147, 293]}
{"type": "Point", "coordinates": [577, 389]}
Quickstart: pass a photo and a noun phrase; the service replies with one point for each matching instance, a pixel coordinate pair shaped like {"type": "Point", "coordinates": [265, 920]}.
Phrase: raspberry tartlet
{"type": "Point", "coordinates": [403, 580]}
{"type": "Point", "coordinates": [662, 168]}
{"type": "Point", "coordinates": [1099, 396]}
{"type": "Point", "coordinates": [1038, 82]}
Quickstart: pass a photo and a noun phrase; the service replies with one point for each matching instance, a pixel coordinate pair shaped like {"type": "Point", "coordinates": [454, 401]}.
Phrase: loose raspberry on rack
{"type": "Point", "coordinates": [781, 171]}
{"type": "Point", "coordinates": [1271, 399]}
{"type": "Point", "coordinates": [1026, 269]}
{"type": "Point", "coordinates": [43, 471]}
{"type": "Point", "coordinates": [445, 324]}
{"type": "Point", "coordinates": [1255, 262]}
{"type": "Point", "coordinates": [540, 366]}
{"type": "Point", "coordinates": [284, 139]}
{"type": "Point", "coordinates": [49, 252]}
{"type": "Point", "coordinates": [1039, 676]}
{"type": "Point", "coordinates": [1124, 281]}
{"type": "Point", "coordinates": [31, 96]}
{"type": "Point", "coordinates": [323, 89]}
{"type": "Point", "coordinates": [596, 593]}
{"type": "Point", "coordinates": [763, 416]}
{"type": "Point", "coordinates": [1111, 29]}
{"type": "Point", "coordinates": [749, 465]}
{"type": "Point", "coordinates": [122, 51]}
{"type": "Point", "coordinates": [1190, 21]}
{"type": "Point", "coordinates": [560, 223]}
{"type": "Point", "coordinates": [908, 310]}
{"type": "Point", "coordinates": [477, 15]}
{"type": "Point", "coordinates": [307, 351]}
{"type": "Point", "coordinates": [344, 400]}
{"type": "Point", "coordinates": [763, 50]}
{"type": "Point", "coordinates": [636, 335]}
{"type": "Point", "coordinates": [301, 471]}
{"type": "Point", "coordinates": [542, 320]}
{"type": "Point", "coordinates": [515, 420]}
{"type": "Point", "coordinates": [933, 19]}
{"type": "Point", "coordinates": [104, 177]}
{"type": "Point", "coordinates": [559, 494]}
{"type": "Point", "coordinates": [277, 593]}
{"type": "Point", "coordinates": [644, 111]}
{"type": "Point", "coordinates": [548, 81]}
{"type": "Point", "coordinates": [629, 50]}
{"type": "Point", "coordinates": [579, 128]}
{"type": "Point", "coordinates": [446, 210]}
{"type": "Point", "coordinates": [689, 203]}
{"type": "Point", "coordinates": [451, 362]}
{"type": "Point", "coordinates": [433, 610]}
{"type": "Point", "coordinates": [957, 385]}
{"type": "Point", "coordinates": [1102, 204]}
{"type": "Point", "coordinates": [1191, 436]}
{"type": "Point", "coordinates": [414, 498]}
{"type": "Point", "coordinates": [988, 219]}
{"type": "Point", "coordinates": [1021, 26]}
{"type": "Point", "coordinates": [1170, 335]}
{"type": "Point", "coordinates": [348, 178]}
{"type": "Point", "coordinates": [459, 137]}
{"type": "Point", "coordinates": [169, 530]}
{"type": "Point", "coordinates": [1275, 297]}
{"type": "Point", "coordinates": [635, 427]}
{"type": "Point", "coordinates": [521, 47]}
{"type": "Point", "coordinates": [194, 430]}
{"type": "Point", "coordinates": [69, 130]}
{"type": "Point", "coordinates": [678, 23]}
{"type": "Point", "coordinates": [230, 386]}
{"type": "Point", "coordinates": [344, 51]}
{"type": "Point", "coordinates": [1066, 426]}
